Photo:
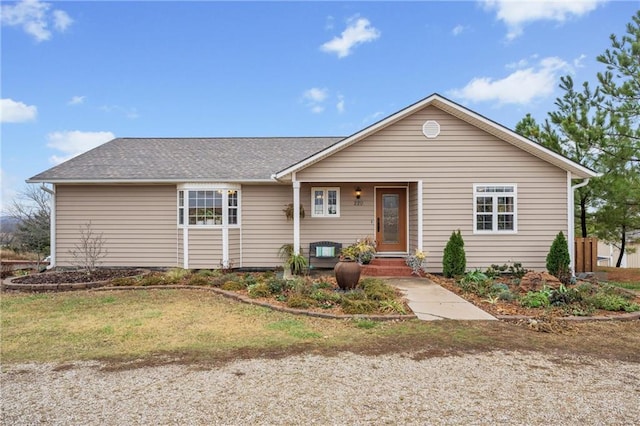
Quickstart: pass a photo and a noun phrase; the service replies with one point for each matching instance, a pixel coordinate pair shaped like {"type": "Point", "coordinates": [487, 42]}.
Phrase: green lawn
{"type": "Point", "coordinates": [159, 326]}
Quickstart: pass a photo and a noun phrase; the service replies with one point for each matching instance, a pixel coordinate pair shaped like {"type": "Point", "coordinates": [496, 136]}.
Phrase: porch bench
{"type": "Point", "coordinates": [324, 254]}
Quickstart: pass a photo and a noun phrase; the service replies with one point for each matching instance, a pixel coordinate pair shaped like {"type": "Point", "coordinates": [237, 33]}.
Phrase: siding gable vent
{"type": "Point", "coordinates": [431, 129]}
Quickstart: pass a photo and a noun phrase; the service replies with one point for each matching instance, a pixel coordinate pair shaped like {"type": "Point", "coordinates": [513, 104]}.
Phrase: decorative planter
{"type": "Point", "coordinates": [347, 274]}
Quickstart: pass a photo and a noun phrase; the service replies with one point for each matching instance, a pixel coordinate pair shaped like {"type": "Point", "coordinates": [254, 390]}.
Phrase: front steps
{"type": "Point", "coordinates": [386, 267]}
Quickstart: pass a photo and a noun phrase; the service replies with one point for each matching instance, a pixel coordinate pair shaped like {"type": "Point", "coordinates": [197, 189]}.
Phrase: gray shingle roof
{"type": "Point", "coordinates": [186, 159]}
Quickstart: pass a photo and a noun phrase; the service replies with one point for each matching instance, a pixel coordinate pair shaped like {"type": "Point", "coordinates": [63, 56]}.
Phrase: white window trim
{"type": "Point", "coordinates": [495, 213]}
{"type": "Point", "coordinates": [325, 207]}
{"type": "Point", "coordinates": [224, 187]}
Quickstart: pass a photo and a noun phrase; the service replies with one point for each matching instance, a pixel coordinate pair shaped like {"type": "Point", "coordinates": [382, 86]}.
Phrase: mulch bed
{"type": "Point", "coordinates": [72, 277]}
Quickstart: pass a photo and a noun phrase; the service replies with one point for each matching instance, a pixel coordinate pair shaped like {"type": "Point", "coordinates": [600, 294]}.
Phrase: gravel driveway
{"type": "Point", "coordinates": [490, 388]}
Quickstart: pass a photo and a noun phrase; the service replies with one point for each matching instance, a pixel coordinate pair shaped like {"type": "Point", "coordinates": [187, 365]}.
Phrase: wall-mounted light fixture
{"type": "Point", "coordinates": [358, 192]}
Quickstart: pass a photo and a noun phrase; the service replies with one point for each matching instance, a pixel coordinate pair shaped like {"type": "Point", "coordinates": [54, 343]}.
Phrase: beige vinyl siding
{"type": "Point", "coordinates": [449, 165]}
{"type": "Point", "coordinates": [205, 248]}
{"type": "Point", "coordinates": [264, 225]}
{"type": "Point", "coordinates": [138, 223]}
{"type": "Point", "coordinates": [355, 221]}
{"type": "Point", "coordinates": [235, 257]}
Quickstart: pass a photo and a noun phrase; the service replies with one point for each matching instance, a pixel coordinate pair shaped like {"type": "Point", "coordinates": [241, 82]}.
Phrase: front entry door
{"type": "Point", "coordinates": [391, 219]}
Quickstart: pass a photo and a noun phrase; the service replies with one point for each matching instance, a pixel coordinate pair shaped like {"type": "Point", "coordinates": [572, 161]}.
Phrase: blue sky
{"type": "Point", "coordinates": [76, 74]}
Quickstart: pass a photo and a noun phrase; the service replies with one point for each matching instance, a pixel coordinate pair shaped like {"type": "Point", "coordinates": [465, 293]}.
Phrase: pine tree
{"type": "Point", "coordinates": [454, 261]}
{"type": "Point", "coordinates": [558, 259]}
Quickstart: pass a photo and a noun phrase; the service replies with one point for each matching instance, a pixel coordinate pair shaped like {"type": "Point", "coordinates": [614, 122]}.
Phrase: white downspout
{"type": "Point", "coordinates": [571, 232]}
{"type": "Point", "coordinates": [52, 224]}
{"type": "Point", "coordinates": [420, 216]}
{"type": "Point", "coordinates": [296, 215]}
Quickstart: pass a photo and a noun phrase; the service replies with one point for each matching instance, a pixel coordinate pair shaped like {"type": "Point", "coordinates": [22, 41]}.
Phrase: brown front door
{"type": "Point", "coordinates": [391, 219]}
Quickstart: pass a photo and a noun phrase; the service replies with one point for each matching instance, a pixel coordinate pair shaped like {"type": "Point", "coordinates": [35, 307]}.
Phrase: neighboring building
{"type": "Point", "coordinates": [608, 254]}
{"type": "Point", "coordinates": [420, 173]}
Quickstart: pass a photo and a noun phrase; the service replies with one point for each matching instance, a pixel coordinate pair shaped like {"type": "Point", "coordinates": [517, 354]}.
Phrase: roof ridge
{"type": "Point", "coordinates": [232, 137]}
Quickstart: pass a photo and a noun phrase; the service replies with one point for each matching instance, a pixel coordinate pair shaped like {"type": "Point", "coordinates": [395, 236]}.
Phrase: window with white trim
{"type": "Point", "coordinates": [325, 202]}
{"type": "Point", "coordinates": [494, 208]}
{"type": "Point", "coordinates": [208, 207]}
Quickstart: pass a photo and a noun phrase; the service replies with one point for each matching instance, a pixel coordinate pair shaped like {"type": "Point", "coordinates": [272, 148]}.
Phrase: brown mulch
{"type": "Point", "coordinates": [69, 277]}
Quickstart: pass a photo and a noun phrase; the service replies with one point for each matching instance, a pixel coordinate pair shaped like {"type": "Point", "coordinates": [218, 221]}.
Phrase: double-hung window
{"type": "Point", "coordinates": [494, 208]}
{"type": "Point", "coordinates": [325, 202]}
{"type": "Point", "coordinates": [208, 206]}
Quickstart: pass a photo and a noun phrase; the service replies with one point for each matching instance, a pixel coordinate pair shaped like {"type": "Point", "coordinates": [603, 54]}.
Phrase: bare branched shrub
{"type": "Point", "coordinates": [89, 250]}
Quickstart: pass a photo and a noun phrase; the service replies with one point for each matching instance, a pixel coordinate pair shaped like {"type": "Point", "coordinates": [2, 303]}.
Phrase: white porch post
{"type": "Point", "coordinates": [296, 216]}
{"type": "Point", "coordinates": [52, 228]}
{"type": "Point", "coordinates": [420, 215]}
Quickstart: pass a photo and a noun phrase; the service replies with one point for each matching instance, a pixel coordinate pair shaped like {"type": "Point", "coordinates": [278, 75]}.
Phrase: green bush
{"type": "Point", "coordinates": [176, 275]}
{"type": "Point", "coordinates": [535, 299]}
{"type": "Point", "coordinates": [612, 302]}
{"type": "Point", "coordinates": [477, 282]}
{"type": "Point", "coordinates": [558, 259]}
{"type": "Point", "coordinates": [454, 261]}
{"type": "Point", "coordinates": [277, 285]}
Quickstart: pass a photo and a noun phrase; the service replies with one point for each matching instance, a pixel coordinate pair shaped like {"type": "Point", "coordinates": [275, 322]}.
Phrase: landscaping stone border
{"type": "Point", "coordinates": [8, 284]}
{"type": "Point", "coordinates": [244, 299]}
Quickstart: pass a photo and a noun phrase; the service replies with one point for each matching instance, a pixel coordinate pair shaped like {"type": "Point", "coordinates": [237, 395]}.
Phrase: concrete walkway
{"type": "Point", "coordinates": [431, 302]}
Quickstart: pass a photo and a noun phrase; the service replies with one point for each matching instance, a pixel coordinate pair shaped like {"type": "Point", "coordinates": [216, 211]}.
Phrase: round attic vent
{"type": "Point", "coordinates": [431, 129]}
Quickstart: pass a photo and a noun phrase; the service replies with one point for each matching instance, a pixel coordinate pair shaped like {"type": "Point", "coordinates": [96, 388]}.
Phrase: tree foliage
{"type": "Point", "coordinates": [32, 211]}
{"type": "Point", "coordinates": [600, 128]}
{"type": "Point", "coordinates": [454, 261]}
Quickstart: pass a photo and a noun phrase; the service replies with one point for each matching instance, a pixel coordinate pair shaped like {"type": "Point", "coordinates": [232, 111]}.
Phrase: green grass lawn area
{"type": "Point", "coordinates": [148, 327]}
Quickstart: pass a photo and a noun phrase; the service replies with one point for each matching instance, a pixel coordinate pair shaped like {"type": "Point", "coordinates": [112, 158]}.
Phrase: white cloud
{"type": "Point", "coordinates": [457, 30]}
{"type": "Point", "coordinates": [16, 112]}
{"type": "Point", "coordinates": [76, 100]}
{"type": "Point", "coordinates": [75, 142]}
{"type": "Point", "coordinates": [516, 14]}
{"type": "Point", "coordinates": [34, 18]}
{"type": "Point", "coordinates": [340, 104]}
{"type": "Point", "coordinates": [315, 98]}
{"type": "Point", "coordinates": [372, 118]}
{"type": "Point", "coordinates": [129, 112]}
{"type": "Point", "coordinates": [579, 61]}
{"type": "Point", "coordinates": [520, 87]}
{"type": "Point", "coordinates": [358, 31]}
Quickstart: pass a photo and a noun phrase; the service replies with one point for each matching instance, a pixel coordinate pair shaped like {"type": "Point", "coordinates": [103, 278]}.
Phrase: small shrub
{"type": "Point", "coordinates": [209, 273]}
{"type": "Point", "coordinates": [535, 299]}
{"type": "Point", "coordinates": [259, 290]}
{"type": "Point", "coordinates": [301, 286]}
{"type": "Point", "coordinates": [198, 280]}
{"type": "Point", "coordinates": [249, 279]}
{"type": "Point", "coordinates": [277, 285]}
{"type": "Point", "coordinates": [221, 279]}
{"type": "Point", "coordinates": [564, 296]}
{"type": "Point", "coordinates": [233, 286]}
{"type": "Point", "coordinates": [392, 307]}
{"type": "Point", "coordinates": [124, 282]}
{"type": "Point", "coordinates": [298, 301]}
{"type": "Point", "coordinates": [610, 302]}
{"type": "Point", "coordinates": [506, 295]}
{"type": "Point", "coordinates": [454, 261]}
{"type": "Point", "coordinates": [376, 289]}
{"type": "Point", "coordinates": [323, 284]}
{"type": "Point", "coordinates": [358, 307]}
{"type": "Point", "coordinates": [476, 282]}
{"type": "Point", "coordinates": [153, 279]}
{"type": "Point", "coordinates": [558, 259]}
{"type": "Point", "coordinates": [175, 275]}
